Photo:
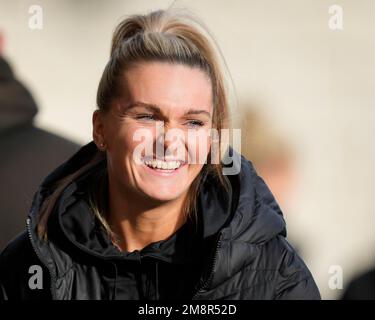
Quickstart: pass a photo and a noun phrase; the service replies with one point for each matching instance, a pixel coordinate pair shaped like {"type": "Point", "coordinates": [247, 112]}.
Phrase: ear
{"type": "Point", "coordinates": [98, 133]}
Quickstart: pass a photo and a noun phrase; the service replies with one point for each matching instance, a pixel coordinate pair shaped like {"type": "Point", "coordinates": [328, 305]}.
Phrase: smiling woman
{"type": "Point", "coordinates": [173, 96]}
{"type": "Point", "coordinates": [133, 215]}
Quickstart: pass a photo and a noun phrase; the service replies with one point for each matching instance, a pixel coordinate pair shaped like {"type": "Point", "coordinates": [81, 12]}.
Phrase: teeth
{"type": "Point", "coordinates": [165, 165]}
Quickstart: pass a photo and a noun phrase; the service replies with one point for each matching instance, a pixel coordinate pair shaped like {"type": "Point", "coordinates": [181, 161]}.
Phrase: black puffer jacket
{"type": "Point", "coordinates": [238, 250]}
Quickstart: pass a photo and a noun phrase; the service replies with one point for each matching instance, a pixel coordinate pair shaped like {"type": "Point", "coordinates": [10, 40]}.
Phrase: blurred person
{"type": "Point", "coordinates": [113, 223]}
{"type": "Point", "coordinates": [269, 152]}
{"type": "Point", "coordinates": [361, 287]}
{"type": "Point", "coordinates": [272, 157]}
{"type": "Point", "coordinates": [27, 153]}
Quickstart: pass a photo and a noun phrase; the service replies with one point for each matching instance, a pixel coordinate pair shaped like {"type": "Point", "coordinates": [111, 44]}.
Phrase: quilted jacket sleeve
{"type": "Point", "coordinates": [295, 281]}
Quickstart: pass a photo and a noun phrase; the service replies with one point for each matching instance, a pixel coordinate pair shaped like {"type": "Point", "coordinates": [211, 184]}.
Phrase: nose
{"type": "Point", "coordinates": [170, 140]}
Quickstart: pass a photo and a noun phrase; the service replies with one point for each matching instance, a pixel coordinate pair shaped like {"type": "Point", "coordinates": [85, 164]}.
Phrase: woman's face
{"type": "Point", "coordinates": [158, 100]}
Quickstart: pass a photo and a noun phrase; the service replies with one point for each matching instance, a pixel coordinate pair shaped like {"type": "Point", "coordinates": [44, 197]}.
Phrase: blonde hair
{"type": "Point", "coordinates": [165, 35]}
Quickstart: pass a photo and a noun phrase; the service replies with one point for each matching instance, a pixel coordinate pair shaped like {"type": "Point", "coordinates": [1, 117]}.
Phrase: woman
{"type": "Point", "coordinates": [120, 222]}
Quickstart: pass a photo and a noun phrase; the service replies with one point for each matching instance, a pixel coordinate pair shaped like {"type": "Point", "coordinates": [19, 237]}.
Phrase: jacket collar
{"type": "Point", "coordinates": [74, 220]}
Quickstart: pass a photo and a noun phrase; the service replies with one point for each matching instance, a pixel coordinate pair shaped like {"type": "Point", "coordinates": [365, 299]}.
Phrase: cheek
{"type": "Point", "coordinates": [199, 148]}
{"type": "Point", "coordinates": [127, 138]}
{"type": "Point", "coordinates": [193, 171]}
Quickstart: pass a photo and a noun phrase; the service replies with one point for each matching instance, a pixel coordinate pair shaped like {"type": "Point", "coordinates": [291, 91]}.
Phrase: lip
{"type": "Point", "coordinates": [162, 159]}
{"type": "Point", "coordinates": [164, 173]}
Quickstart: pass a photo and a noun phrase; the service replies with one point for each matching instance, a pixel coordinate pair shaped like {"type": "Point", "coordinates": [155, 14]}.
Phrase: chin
{"type": "Point", "coordinates": [162, 186]}
{"type": "Point", "coordinates": [161, 194]}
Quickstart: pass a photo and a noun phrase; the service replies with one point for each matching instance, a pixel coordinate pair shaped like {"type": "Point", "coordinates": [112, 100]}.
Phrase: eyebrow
{"type": "Point", "coordinates": [155, 108]}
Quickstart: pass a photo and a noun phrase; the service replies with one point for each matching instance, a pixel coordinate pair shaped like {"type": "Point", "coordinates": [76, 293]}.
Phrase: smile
{"type": "Point", "coordinates": [164, 167]}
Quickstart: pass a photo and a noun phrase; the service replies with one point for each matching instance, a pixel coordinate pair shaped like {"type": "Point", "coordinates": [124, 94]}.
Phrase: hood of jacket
{"type": "Point", "coordinates": [248, 215]}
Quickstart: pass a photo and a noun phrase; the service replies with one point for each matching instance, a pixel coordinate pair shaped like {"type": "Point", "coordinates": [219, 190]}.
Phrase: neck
{"type": "Point", "coordinates": [138, 221]}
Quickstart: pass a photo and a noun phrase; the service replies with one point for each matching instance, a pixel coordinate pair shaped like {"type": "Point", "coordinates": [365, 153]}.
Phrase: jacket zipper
{"type": "Point", "coordinates": [52, 276]}
{"type": "Point", "coordinates": [209, 279]}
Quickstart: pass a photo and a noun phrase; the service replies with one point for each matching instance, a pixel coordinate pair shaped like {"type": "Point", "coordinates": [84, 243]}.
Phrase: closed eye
{"type": "Point", "coordinates": [152, 117]}
{"type": "Point", "coordinates": [195, 123]}
{"type": "Point", "coordinates": [145, 117]}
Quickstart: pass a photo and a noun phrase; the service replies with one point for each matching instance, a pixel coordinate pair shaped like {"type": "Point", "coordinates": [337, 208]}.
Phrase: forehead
{"type": "Point", "coordinates": [170, 86]}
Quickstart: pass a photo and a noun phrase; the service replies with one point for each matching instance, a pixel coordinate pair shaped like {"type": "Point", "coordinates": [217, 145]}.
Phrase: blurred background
{"type": "Point", "coordinates": [305, 85]}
